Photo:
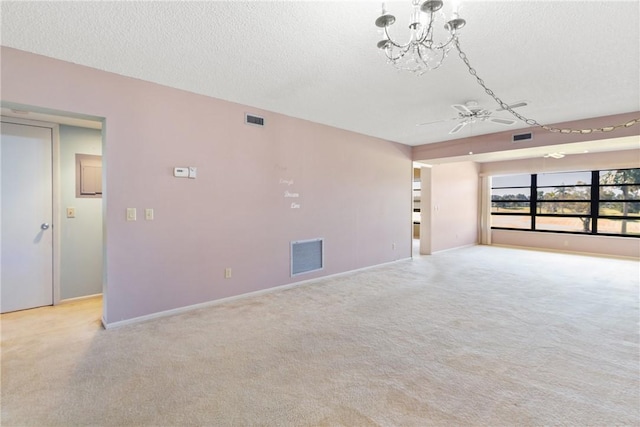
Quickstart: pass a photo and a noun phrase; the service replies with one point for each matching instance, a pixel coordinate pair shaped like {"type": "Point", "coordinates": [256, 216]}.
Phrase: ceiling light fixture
{"type": "Point", "coordinates": [554, 155]}
{"type": "Point", "coordinates": [427, 46]}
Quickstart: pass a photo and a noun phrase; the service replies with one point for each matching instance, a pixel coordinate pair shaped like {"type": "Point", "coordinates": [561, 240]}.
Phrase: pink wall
{"type": "Point", "coordinates": [451, 206]}
{"type": "Point", "coordinates": [354, 191]}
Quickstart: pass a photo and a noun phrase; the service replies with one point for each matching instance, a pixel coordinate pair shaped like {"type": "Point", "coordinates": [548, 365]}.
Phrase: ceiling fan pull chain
{"type": "Point", "coordinates": [533, 122]}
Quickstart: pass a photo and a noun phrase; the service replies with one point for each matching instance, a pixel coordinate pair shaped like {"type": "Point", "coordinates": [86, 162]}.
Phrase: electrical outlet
{"type": "Point", "coordinates": [227, 273]}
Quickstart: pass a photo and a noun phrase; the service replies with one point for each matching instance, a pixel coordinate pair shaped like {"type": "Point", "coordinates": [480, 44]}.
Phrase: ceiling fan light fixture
{"type": "Point", "coordinates": [470, 112]}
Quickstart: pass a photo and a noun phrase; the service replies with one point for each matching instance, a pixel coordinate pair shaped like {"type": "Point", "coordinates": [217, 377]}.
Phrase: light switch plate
{"type": "Point", "coordinates": [131, 214]}
{"type": "Point", "coordinates": [71, 212]}
{"type": "Point", "coordinates": [148, 214]}
{"type": "Point", "coordinates": [192, 172]}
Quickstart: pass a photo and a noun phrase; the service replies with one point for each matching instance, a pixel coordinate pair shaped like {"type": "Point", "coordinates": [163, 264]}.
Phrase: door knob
{"type": "Point", "coordinates": [45, 226]}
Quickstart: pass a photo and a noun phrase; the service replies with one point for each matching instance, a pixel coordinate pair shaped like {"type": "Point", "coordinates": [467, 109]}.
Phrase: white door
{"type": "Point", "coordinates": [26, 254]}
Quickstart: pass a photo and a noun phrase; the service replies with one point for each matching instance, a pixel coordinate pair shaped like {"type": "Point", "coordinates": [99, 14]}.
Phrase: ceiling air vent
{"type": "Point", "coordinates": [253, 120]}
{"type": "Point", "coordinates": [519, 137]}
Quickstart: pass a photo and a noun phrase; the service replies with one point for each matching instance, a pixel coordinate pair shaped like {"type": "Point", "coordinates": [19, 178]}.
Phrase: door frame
{"type": "Point", "coordinates": [55, 195]}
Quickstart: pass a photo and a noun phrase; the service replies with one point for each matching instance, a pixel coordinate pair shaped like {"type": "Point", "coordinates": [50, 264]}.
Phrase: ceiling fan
{"type": "Point", "coordinates": [470, 112]}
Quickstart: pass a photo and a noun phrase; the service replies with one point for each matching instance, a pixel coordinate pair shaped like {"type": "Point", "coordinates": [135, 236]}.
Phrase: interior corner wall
{"type": "Point", "coordinates": [257, 189]}
{"type": "Point", "coordinates": [80, 237]}
{"type": "Point", "coordinates": [485, 210]}
{"type": "Point", "coordinates": [453, 210]}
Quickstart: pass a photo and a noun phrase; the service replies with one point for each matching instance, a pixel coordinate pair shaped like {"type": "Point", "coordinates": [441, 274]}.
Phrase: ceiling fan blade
{"type": "Point", "coordinates": [458, 127]}
{"type": "Point", "coordinates": [507, 122]}
{"type": "Point", "coordinates": [462, 109]}
{"type": "Point", "coordinates": [437, 121]}
{"type": "Point", "coordinates": [515, 105]}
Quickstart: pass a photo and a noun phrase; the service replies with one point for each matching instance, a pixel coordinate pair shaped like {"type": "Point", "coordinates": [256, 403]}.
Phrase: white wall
{"type": "Point", "coordinates": [80, 237]}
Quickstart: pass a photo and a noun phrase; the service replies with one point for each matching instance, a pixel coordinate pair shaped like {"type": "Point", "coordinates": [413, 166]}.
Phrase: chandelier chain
{"type": "Point", "coordinates": [529, 121]}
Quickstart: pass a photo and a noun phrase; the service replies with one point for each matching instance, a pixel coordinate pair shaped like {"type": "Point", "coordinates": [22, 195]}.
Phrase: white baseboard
{"type": "Point", "coordinates": [454, 249]}
{"type": "Point", "coordinates": [560, 251]}
{"type": "Point", "coordinates": [212, 303]}
{"type": "Point", "coordinates": [68, 300]}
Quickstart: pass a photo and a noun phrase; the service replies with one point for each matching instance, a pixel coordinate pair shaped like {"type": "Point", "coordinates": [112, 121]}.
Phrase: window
{"type": "Point", "coordinates": [511, 202]}
{"type": "Point", "coordinates": [603, 202]}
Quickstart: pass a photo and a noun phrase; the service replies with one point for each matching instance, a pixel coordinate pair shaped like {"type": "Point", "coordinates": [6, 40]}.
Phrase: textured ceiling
{"type": "Point", "coordinates": [318, 61]}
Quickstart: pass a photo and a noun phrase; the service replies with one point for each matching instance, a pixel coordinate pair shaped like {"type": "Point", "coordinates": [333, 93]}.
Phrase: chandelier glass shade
{"type": "Point", "coordinates": [431, 36]}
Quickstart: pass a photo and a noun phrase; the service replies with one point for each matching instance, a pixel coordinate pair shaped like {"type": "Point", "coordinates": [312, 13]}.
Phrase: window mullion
{"type": "Point", "coordinates": [534, 200]}
{"type": "Point", "coordinates": [595, 199]}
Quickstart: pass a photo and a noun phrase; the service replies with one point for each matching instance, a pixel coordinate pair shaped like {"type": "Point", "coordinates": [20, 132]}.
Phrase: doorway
{"type": "Point", "coordinates": [74, 235]}
{"type": "Point", "coordinates": [416, 207]}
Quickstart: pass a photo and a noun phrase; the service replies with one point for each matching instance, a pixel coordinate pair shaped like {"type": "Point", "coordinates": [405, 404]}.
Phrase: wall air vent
{"type": "Point", "coordinates": [307, 256]}
{"type": "Point", "coordinates": [250, 119]}
{"type": "Point", "coordinates": [519, 137]}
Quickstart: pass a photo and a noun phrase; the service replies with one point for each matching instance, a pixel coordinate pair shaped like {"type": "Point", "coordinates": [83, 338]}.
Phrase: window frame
{"type": "Point", "coordinates": [594, 202]}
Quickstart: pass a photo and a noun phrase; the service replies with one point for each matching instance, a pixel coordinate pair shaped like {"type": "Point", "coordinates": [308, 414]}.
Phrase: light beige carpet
{"type": "Point", "coordinates": [478, 336]}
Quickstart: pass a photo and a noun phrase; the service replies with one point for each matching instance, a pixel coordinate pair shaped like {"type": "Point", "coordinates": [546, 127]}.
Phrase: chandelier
{"type": "Point", "coordinates": [428, 45]}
